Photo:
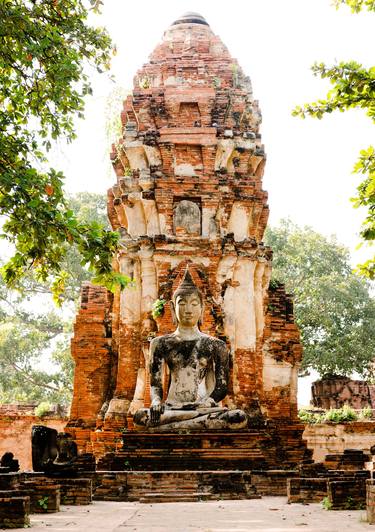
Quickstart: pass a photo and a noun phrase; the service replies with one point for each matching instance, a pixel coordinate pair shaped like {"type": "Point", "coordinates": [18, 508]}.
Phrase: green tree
{"type": "Point", "coordinates": [24, 339]}
{"type": "Point", "coordinates": [87, 208]}
{"type": "Point", "coordinates": [333, 306]}
{"type": "Point", "coordinates": [353, 88]}
{"type": "Point", "coordinates": [46, 47]}
{"type": "Point", "coordinates": [29, 338]}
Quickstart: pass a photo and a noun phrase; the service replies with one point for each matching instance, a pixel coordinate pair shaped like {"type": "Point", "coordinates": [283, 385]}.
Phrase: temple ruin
{"type": "Point", "coordinates": [188, 192]}
{"type": "Point", "coordinates": [185, 384]}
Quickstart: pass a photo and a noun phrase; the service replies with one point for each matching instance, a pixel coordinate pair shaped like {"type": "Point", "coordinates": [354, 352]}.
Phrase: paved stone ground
{"type": "Point", "coordinates": [270, 513]}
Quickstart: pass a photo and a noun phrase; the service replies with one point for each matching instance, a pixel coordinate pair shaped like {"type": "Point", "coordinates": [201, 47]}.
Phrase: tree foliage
{"type": "Point", "coordinates": [46, 47]}
{"type": "Point", "coordinates": [333, 306]}
{"type": "Point", "coordinates": [35, 359]}
{"type": "Point", "coordinates": [23, 342]}
{"type": "Point", "coordinates": [353, 87]}
{"type": "Point", "coordinates": [87, 208]}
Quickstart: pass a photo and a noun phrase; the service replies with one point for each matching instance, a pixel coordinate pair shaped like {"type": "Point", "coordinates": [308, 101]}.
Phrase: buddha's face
{"type": "Point", "coordinates": [188, 308]}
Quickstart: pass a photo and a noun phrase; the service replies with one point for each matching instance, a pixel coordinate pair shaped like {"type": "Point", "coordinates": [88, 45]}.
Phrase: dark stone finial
{"type": "Point", "coordinates": [191, 18]}
{"type": "Point", "coordinates": [187, 286]}
{"type": "Point", "coordinates": [187, 282]}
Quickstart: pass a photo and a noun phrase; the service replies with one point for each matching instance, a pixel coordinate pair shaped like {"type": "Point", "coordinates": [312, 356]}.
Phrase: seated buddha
{"type": "Point", "coordinates": [199, 372]}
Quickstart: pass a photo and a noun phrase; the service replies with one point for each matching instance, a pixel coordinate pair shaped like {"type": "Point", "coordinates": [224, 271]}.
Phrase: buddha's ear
{"type": "Point", "coordinates": [200, 321]}
{"type": "Point", "coordinates": [173, 312]}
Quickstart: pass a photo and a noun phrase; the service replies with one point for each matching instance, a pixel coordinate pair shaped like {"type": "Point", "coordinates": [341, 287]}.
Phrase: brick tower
{"type": "Point", "coordinates": [189, 170]}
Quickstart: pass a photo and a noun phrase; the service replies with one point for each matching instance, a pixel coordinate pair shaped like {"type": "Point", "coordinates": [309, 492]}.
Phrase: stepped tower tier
{"type": "Point", "coordinates": [188, 191]}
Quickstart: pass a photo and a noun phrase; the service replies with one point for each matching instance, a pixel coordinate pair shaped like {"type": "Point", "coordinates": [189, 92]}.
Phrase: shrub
{"type": "Point", "coordinates": [326, 503]}
{"type": "Point", "coordinates": [158, 308]}
{"type": "Point", "coordinates": [333, 415]}
{"type": "Point", "coordinates": [341, 415]}
{"type": "Point", "coordinates": [43, 502]}
{"type": "Point", "coordinates": [43, 409]}
{"type": "Point", "coordinates": [310, 417]}
{"type": "Point", "coordinates": [365, 413]}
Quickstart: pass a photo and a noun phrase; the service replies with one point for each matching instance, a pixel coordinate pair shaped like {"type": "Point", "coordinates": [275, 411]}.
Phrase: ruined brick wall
{"type": "Point", "coordinates": [333, 438]}
{"type": "Point", "coordinates": [15, 430]}
{"type": "Point", "coordinates": [188, 189]}
{"type": "Point", "coordinates": [335, 392]}
{"type": "Point", "coordinates": [282, 353]}
{"type": "Point", "coordinates": [93, 355]}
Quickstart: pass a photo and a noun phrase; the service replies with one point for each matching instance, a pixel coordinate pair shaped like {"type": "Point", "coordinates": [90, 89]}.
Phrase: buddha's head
{"type": "Point", "coordinates": [187, 302]}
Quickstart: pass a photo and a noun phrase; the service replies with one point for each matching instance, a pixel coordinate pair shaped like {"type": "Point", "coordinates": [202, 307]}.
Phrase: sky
{"type": "Point", "coordinates": [309, 162]}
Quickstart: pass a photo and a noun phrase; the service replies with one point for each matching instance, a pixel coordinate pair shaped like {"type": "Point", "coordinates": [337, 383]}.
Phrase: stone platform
{"type": "Point", "coordinates": [174, 486]}
{"type": "Point", "coordinates": [272, 447]}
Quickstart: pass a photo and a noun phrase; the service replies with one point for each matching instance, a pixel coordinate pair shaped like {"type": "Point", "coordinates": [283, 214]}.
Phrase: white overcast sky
{"type": "Point", "coordinates": [308, 172]}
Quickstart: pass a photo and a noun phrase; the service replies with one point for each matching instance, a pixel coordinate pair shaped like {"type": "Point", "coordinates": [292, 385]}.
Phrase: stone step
{"type": "Point", "coordinates": [174, 496]}
{"type": "Point", "coordinates": [172, 485]}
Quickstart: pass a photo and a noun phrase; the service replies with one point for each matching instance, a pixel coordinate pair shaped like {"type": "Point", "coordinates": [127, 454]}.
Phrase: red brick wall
{"type": "Point", "coordinates": [15, 433]}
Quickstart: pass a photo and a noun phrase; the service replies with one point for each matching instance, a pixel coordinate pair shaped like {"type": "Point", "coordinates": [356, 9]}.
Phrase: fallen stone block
{"type": "Point", "coordinates": [306, 490]}
{"type": "Point", "coordinates": [14, 512]}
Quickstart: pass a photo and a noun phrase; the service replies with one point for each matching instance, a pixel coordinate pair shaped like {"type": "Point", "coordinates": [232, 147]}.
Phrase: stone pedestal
{"type": "Point", "coordinates": [277, 447]}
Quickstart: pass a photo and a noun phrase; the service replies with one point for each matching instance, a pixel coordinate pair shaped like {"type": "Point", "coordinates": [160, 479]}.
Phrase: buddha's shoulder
{"type": "Point", "coordinates": [208, 340]}
{"type": "Point", "coordinates": [161, 340]}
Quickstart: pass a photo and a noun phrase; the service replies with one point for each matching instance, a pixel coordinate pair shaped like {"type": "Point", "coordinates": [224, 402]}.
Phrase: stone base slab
{"type": "Point", "coordinates": [174, 486]}
{"type": "Point", "coordinates": [269, 448]}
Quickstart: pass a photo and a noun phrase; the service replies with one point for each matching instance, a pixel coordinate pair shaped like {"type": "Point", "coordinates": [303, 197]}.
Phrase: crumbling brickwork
{"type": "Point", "coordinates": [93, 355]}
{"type": "Point", "coordinates": [336, 391]}
{"type": "Point", "coordinates": [14, 512]}
{"type": "Point", "coordinates": [188, 190]}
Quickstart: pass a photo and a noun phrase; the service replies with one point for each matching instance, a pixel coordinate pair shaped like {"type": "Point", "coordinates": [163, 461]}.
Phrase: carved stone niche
{"type": "Point", "coordinates": [187, 217]}
{"type": "Point", "coordinates": [189, 114]}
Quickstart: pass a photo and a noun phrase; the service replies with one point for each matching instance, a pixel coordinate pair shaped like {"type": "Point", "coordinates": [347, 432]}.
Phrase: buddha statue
{"type": "Point", "coordinates": [198, 369]}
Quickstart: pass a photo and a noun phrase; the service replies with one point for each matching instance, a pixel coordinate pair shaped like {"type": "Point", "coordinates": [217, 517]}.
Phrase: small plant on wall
{"type": "Point", "coordinates": [326, 503]}
{"type": "Point", "coordinates": [346, 414]}
{"type": "Point", "coordinates": [43, 503]}
{"type": "Point", "coordinates": [43, 409]}
{"type": "Point", "coordinates": [158, 308]}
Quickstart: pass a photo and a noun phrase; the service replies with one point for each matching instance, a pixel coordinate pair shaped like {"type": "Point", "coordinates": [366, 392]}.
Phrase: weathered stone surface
{"type": "Point", "coordinates": [342, 489]}
{"type": "Point", "coordinates": [347, 494]}
{"type": "Point", "coordinates": [350, 460]}
{"type": "Point", "coordinates": [272, 482]}
{"type": "Point", "coordinates": [9, 481]}
{"type": "Point", "coordinates": [174, 486]}
{"type": "Point", "coordinates": [66, 490]}
{"type": "Point", "coordinates": [335, 392]}
{"type": "Point", "coordinates": [307, 490]}
{"type": "Point", "coordinates": [76, 491]}
{"type": "Point", "coordinates": [14, 512]}
{"type": "Point", "coordinates": [334, 438]}
{"type": "Point", "coordinates": [271, 448]}
{"type": "Point", "coordinates": [52, 451]}
{"type": "Point", "coordinates": [370, 501]}
{"type": "Point", "coordinates": [44, 496]}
